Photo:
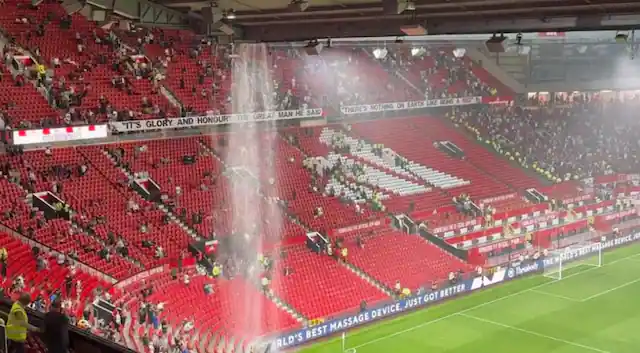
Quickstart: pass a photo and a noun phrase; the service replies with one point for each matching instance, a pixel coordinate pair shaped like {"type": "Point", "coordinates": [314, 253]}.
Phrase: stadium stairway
{"type": "Point", "coordinates": [367, 278]}
{"type": "Point", "coordinates": [163, 89]}
{"type": "Point", "coordinates": [85, 232]}
{"type": "Point", "coordinates": [483, 170]}
{"type": "Point", "coordinates": [171, 97]}
{"type": "Point", "coordinates": [192, 232]}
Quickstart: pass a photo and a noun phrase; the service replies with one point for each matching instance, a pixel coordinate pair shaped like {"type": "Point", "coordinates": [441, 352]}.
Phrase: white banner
{"type": "Point", "coordinates": [59, 134]}
{"type": "Point", "coordinates": [212, 120]}
{"type": "Point", "coordinates": [385, 107]}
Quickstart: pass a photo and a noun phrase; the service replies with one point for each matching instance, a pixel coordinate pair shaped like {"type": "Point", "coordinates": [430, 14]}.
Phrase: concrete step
{"type": "Point", "coordinates": [366, 277]}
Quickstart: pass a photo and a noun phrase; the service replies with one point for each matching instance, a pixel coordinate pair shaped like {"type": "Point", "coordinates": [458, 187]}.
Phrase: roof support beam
{"type": "Point", "coordinates": [363, 27]}
{"type": "Point", "coordinates": [143, 11]}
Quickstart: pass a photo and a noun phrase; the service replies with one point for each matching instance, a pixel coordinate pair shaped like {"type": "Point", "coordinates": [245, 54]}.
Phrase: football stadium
{"type": "Point", "coordinates": [319, 176]}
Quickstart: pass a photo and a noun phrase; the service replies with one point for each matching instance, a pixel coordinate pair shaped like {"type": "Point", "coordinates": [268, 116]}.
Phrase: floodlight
{"type": "Point", "coordinates": [380, 53]}
{"type": "Point", "coordinates": [411, 6]}
{"type": "Point", "coordinates": [418, 51]}
{"type": "Point", "coordinates": [313, 47]}
{"type": "Point", "coordinates": [621, 38]}
{"type": "Point", "coordinates": [459, 52]}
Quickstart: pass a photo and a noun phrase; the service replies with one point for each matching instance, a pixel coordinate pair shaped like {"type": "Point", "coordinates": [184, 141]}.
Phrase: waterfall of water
{"type": "Point", "coordinates": [251, 152]}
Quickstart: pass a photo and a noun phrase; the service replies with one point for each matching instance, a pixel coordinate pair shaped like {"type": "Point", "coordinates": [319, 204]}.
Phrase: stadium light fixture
{"type": "Point", "coordinates": [313, 47]}
{"type": "Point", "coordinates": [298, 5]}
{"type": "Point", "coordinates": [418, 51]}
{"type": "Point", "coordinates": [621, 38]}
{"type": "Point", "coordinates": [495, 44]}
{"type": "Point", "coordinates": [230, 14]}
{"type": "Point", "coordinates": [459, 52]}
{"type": "Point", "coordinates": [380, 53]}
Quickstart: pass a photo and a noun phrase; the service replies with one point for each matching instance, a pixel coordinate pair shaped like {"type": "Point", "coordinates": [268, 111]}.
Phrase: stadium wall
{"type": "Point", "coordinates": [80, 340]}
{"type": "Point", "coordinates": [459, 253]}
{"type": "Point", "coordinates": [307, 335]}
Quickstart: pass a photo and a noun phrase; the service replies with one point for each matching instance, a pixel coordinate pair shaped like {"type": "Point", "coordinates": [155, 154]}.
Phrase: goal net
{"type": "Point", "coordinates": [561, 262]}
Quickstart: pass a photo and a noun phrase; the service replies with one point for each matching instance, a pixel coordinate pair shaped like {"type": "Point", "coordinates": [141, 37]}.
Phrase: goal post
{"type": "Point", "coordinates": [344, 345]}
{"type": "Point", "coordinates": [561, 262]}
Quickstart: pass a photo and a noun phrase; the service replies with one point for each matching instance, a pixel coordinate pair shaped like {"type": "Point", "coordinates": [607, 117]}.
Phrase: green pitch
{"type": "Point", "coordinates": [591, 310]}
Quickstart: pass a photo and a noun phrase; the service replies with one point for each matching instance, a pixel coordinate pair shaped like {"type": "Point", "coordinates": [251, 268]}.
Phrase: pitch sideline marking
{"type": "Point", "coordinates": [556, 295]}
{"type": "Point", "coordinates": [533, 333]}
{"type": "Point", "coordinates": [611, 290]}
{"type": "Point", "coordinates": [481, 305]}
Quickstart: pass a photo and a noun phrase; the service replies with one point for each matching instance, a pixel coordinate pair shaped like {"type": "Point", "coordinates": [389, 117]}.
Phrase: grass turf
{"type": "Point", "coordinates": [593, 309]}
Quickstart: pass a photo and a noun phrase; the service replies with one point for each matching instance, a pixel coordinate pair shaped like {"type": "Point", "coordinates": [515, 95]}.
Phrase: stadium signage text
{"type": "Point", "coordinates": [526, 269]}
{"type": "Point", "coordinates": [387, 107]}
{"type": "Point", "coordinates": [541, 219]}
{"type": "Point", "coordinates": [361, 226]}
{"type": "Point", "coordinates": [140, 276]}
{"type": "Point", "coordinates": [617, 215]}
{"type": "Point", "coordinates": [345, 323]}
{"type": "Point", "coordinates": [332, 327]}
{"type": "Point", "coordinates": [498, 198]}
{"type": "Point", "coordinates": [611, 178]}
{"type": "Point", "coordinates": [213, 120]}
{"type": "Point", "coordinates": [454, 226]}
{"type": "Point", "coordinates": [502, 244]}
{"type": "Point", "coordinates": [577, 199]}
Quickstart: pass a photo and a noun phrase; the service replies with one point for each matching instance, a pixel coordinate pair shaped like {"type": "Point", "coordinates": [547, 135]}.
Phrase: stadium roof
{"type": "Point", "coordinates": [275, 20]}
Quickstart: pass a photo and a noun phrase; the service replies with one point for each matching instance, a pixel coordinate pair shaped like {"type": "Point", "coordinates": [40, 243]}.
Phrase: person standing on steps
{"type": "Point", "coordinates": [18, 324]}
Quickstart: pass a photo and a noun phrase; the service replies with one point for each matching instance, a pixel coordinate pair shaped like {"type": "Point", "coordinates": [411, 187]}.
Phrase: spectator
{"type": "Point", "coordinates": [55, 329]}
{"type": "Point", "coordinates": [208, 289]}
{"type": "Point", "coordinates": [159, 253]}
{"type": "Point", "coordinates": [265, 283]}
{"type": "Point", "coordinates": [3, 262]}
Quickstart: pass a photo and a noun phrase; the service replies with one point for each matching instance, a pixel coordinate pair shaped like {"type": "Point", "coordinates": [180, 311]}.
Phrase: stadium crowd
{"type": "Point", "coordinates": [84, 258]}
{"type": "Point", "coordinates": [580, 139]}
